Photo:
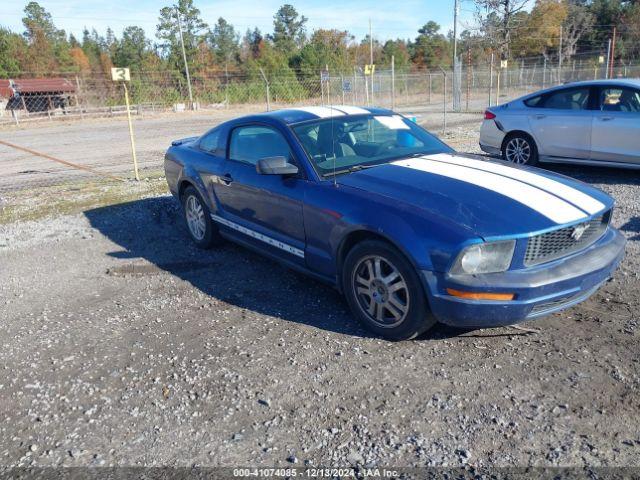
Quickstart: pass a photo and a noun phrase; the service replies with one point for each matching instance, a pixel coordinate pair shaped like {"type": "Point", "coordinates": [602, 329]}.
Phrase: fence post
{"type": "Point", "coordinates": [266, 82]}
{"type": "Point", "coordinates": [429, 89]}
{"type": "Point", "coordinates": [366, 88]}
{"type": "Point", "coordinates": [544, 72]}
{"type": "Point", "coordinates": [468, 76]}
{"type": "Point", "coordinates": [444, 101]}
{"type": "Point", "coordinates": [355, 86]}
{"type": "Point", "coordinates": [491, 79]}
{"type": "Point", "coordinates": [393, 82]}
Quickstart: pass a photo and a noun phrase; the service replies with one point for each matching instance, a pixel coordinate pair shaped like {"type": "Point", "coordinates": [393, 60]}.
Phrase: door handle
{"type": "Point", "coordinates": [540, 117]}
{"type": "Point", "coordinates": [226, 179]}
{"type": "Point", "coordinates": [606, 119]}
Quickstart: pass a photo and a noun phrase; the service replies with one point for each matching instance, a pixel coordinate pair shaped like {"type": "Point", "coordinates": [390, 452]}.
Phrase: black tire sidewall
{"type": "Point", "coordinates": [419, 317]}
{"type": "Point", "coordinates": [210, 232]}
{"type": "Point", "coordinates": [533, 159]}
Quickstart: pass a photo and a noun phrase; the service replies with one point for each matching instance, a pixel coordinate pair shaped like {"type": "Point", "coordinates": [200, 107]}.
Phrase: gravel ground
{"type": "Point", "coordinates": [122, 344]}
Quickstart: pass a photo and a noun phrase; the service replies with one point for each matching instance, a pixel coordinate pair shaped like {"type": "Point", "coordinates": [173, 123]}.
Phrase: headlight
{"type": "Point", "coordinates": [485, 258]}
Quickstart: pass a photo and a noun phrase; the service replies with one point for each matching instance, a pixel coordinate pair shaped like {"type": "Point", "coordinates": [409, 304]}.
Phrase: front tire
{"type": "Point", "coordinates": [198, 219]}
{"type": "Point", "coordinates": [384, 292]}
{"type": "Point", "coordinates": [520, 149]}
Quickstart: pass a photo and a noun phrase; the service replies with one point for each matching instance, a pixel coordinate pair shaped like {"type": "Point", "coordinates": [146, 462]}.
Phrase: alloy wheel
{"type": "Point", "coordinates": [195, 218]}
{"type": "Point", "coordinates": [518, 151]}
{"type": "Point", "coordinates": [381, 291]}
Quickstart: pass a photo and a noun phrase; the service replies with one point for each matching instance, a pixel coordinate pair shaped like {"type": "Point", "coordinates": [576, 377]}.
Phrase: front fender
{"type": "Point", "coordinates": [334, 213]}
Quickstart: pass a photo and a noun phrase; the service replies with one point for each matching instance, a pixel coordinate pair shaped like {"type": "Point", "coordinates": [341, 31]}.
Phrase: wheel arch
{"type": "Point", "coordinates": [183, 184]}
{"type": "Point", "coordinates": [514, 133]}
{"type": "Point", "coordinates": [356, 236]}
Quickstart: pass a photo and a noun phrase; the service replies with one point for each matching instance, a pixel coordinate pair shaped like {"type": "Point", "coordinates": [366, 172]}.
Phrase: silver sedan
{"type": "Point", "coordinates": [594, 123]}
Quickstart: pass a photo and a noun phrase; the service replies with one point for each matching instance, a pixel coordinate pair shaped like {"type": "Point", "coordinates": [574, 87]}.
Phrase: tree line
{"type": "Point", "coordinates": [509, 28]}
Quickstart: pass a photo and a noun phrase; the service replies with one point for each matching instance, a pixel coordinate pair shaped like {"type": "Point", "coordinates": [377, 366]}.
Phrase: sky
{"type": "Point", "coordinates": [389, 19]}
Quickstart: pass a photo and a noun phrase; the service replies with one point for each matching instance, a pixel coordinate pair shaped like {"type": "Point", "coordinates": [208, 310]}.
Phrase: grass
{"type": "Point", "coordinates": [34, 203]}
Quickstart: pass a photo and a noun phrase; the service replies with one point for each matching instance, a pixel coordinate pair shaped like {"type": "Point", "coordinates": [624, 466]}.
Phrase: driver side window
{"type": "Point", "coordinates": [620, 99]}
{"type": "Point", "coordinates": [251, 143]}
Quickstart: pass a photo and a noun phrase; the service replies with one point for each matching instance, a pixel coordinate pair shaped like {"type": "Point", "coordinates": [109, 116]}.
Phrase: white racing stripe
{"type": "Point", "coordinates": [322, 112]}
{"type": "Point", "coordinates": [539, 200]}
{"type": "Point", "coordinates": [578, 198]}
{"type": "Point", "coordinates": [349, 110]}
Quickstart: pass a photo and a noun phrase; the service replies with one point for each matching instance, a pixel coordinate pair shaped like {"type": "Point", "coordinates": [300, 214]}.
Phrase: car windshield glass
{"type": "Point", "coordinates": [352, 143]}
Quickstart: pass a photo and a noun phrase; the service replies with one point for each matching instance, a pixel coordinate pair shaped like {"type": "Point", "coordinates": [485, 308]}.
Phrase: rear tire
{"type": "Point", "coordinates": [520, 149]}
{"type": "Point", "coordinates": [197, 216]}
{"type": "Point", "coordinates": [384, 291]}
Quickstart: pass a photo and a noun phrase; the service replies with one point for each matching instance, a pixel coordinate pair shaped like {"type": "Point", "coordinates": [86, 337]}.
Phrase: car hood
{"type": "Point", "coordinates": [491, 198]}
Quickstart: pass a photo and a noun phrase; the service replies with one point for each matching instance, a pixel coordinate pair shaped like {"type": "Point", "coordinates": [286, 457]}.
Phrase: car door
{"type": "Point", "coordinates": [264, 210]}
{"type": "Point", "coordinates": [561, 123]}
{"type": "Point", "coordinates": [616, 125]}
{"type": "Point", "coordinates": [210, 164]}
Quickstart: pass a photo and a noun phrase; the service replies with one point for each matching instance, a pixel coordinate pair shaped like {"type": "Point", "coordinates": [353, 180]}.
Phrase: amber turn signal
{"type": "Point", "coordinates": [480, 295]}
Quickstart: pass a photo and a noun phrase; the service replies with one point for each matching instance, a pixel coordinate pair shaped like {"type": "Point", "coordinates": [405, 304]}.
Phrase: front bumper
{"type": "Point", "coordinates": [539, 290]}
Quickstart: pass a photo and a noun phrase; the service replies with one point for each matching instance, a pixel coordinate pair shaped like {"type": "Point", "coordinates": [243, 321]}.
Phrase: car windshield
{"type": "Point", "coordinates": [347, 144]}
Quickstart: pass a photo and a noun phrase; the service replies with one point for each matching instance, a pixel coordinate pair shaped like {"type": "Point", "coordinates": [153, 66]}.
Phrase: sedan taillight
{"type": "Point", "coordinates": [488, 115]}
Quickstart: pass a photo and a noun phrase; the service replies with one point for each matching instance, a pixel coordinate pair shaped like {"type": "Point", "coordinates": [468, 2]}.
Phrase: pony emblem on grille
{"type": "Point", "coordinates": [578, 231]}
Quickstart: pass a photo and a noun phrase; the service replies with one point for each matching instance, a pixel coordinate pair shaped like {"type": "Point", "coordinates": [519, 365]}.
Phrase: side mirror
{"type": "Point", "coordinates": [275, 166]}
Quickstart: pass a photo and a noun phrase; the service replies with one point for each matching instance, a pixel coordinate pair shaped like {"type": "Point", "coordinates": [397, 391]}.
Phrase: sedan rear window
{"type": "Point", "coordinates": [568, 99]}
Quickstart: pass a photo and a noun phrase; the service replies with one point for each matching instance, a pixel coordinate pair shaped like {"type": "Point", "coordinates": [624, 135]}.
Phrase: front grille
{"type": "Point", "coordinates": [559, 243]}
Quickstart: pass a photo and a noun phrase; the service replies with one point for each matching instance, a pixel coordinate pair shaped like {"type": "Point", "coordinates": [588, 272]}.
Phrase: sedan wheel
{"type": "Point", "coordinates": [384, 291]}
{"type": "Point", "coordinates": [520, 150]}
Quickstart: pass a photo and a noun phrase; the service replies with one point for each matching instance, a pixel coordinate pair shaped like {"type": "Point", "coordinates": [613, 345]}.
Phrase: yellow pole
{"type": "Point", "coordinates": [133, 144]}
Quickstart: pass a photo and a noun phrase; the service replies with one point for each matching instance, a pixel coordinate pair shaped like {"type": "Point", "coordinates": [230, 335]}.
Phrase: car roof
{"type": "Point", "coordinates": [630, 82]}
{"type": "Point", "coordinates": [292, 116]}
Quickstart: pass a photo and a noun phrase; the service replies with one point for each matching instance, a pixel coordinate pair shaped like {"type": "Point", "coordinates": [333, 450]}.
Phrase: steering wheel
{"type": "Point", "coordinates": [388, 145]}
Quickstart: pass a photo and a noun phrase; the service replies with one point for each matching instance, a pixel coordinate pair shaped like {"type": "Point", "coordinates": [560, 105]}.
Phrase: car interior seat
{"type": "Point", "coordinates": [330, 142]}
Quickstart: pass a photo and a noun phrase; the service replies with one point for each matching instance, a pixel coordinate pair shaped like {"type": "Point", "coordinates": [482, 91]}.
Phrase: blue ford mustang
{"type": "Point", "coordinates": [411, 232]}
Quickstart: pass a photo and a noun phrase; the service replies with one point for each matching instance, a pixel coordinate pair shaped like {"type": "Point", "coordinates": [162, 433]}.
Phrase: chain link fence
{"type": "Point", "coordinates": [469, 88]}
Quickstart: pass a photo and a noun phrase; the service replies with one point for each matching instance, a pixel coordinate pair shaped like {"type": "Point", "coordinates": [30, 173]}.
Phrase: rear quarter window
{"type": "Point", "coordinates": [534, 102]}
{"type": "Point", "coordinates": [212, 143]}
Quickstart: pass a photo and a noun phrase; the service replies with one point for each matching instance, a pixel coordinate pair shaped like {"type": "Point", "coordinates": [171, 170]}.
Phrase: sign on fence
{"type": "Point", "coordinates": [369, 69]}
{"type": "Point", "coordinates": [324, 76]}
{"type": "Point", "coordinates": [346, 86]}
{"type": "Point", "coordinates": [504, 63]}
{"type": "Point", "coordinates": [120, 75]}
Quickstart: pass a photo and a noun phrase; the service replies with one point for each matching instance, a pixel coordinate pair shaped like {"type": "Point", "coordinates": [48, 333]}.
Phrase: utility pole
{"type": "Point", "coordinates": [184, 58]}
{"type": "Point", "coordinates": [613, 53]}
{"type": "Point", "coordinates": [455, 32]}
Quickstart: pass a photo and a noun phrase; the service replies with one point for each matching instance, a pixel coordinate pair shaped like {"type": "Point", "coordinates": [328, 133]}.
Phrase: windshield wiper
{"type": "Point", "coordinates": [354, 168]}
